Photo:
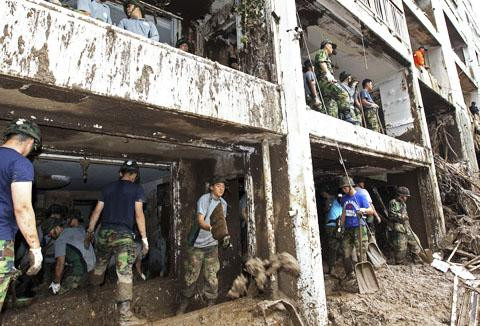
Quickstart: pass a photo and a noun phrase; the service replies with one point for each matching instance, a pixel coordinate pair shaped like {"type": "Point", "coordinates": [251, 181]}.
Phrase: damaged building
{"type": "Point", "coordinates": [234, 105]}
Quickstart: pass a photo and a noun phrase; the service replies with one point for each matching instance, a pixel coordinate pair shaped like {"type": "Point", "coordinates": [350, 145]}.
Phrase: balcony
{"type": "Point", "coordinates": [57, 62]}
{"type": "Point", "coordinates": [390, 13]}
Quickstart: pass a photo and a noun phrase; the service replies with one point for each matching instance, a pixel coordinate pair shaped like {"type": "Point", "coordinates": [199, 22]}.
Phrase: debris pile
{"type": "Point", "coordinates": [461, 207]}
{"type": "Point", "coordinates": [262, 271]}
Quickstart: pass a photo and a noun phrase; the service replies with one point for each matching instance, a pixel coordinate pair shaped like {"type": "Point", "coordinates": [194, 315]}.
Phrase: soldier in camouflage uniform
{"type": "Point", "coordinates": [203, 248]}
{"type": "Point", "coordinates": [403, 238]}
{"type": "Point", "coordinates": [122, 205]}
{"type": "Point", "coordinates": [22, 137]}
{"type": "Point", "coordinates": [336, 99]}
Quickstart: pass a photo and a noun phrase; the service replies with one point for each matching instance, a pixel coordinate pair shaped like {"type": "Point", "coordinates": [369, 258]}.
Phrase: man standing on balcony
{"type": "Point", "coordinates": [97, 9]}
{"type": "Point", "coordinates": [370, 108]}
{"type": "Point", "coordinates": [352, 115]}
{"type": "Point", "coordinates": [310, 85]}
{"type": "Point", "coordinates": [419, 58]}
{"type": "Point", "coordinates": [136, 22]}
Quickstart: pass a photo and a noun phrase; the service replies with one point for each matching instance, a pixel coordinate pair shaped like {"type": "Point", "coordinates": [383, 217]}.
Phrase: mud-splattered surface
{"type": "Point", "coordinates": [409, 295]}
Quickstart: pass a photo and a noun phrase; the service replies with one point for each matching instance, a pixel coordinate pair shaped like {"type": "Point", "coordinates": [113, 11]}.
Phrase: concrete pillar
{"type": "Point", "coordinates": [310, 289]}
{"type": "Point", "coordinates": [461, 114]}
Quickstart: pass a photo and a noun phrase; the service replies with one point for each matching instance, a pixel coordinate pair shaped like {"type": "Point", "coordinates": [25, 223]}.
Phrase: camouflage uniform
{"type": "Point", "coordinates": [403, 239]}
{"type": "Point", "coordinates": [202, 260]}
{"type": "Point", "coordinates": [75, 272]}
{"type": "Point", "coordinates": [122, 246]}
{"type": "Point", "coordinates": [333, 244]}
{"type": "Point", "coordinates": [371, 119]}
{"type": "Point", "coordinates": [350, 239]}
{"type": "Point", "coordinates": [336, 99]}
{"type": "Point", "coordinates": [7, 258]}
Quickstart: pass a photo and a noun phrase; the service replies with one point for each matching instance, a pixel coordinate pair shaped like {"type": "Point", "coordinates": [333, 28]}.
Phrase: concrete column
{"type": "Point", "coordinates": [301, 192]}
{"type": "Point", "coordinates": [461, 114]}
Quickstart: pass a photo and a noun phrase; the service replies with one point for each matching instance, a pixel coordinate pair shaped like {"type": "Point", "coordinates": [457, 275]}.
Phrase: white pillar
{"type": "Point", "coordinates": [303, 211]}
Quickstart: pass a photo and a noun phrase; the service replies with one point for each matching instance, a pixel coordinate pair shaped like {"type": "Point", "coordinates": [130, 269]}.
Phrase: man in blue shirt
{"type": "Point", "coordinates": [97, 9]}
{"type": "Point", "coordinates": [121, 206]}
{"type": "Point", "coordinates": [370, 108]}
{"type": "Point", "coordinates": [16, 212]}
{"type": "Point", "coordinates": [355, 208]}
{"type": "Point", "coordinates": [136, 22]}
{"type": "Point", "coordinates": [331, 227]}
{"type": "Point", "coordinates": [203, 249]}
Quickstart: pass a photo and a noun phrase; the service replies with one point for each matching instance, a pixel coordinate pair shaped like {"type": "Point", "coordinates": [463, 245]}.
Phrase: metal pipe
{"type": "Point", "coordinates": [267, 183]}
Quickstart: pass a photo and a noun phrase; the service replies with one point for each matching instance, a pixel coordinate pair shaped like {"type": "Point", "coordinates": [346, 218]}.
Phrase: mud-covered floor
{"type": "Point", "coordinates": [409, 295]}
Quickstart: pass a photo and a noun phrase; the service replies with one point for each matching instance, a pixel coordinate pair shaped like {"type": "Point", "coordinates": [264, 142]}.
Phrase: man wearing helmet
{"type": "Point", "coordinates": [16, 212]}
{"type": "Point", "coordinates": [122, 205]}
{"type": "Point", "coordinates": [403, 238]}
{"type": "Point", "coordinates": [335, 98]}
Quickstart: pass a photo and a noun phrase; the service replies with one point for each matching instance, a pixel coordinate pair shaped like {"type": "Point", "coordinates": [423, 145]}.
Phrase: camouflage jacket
{"type": "Point", "coordinates": [322, 57]}
{"type": "Point", "coordinates": [397, 211]}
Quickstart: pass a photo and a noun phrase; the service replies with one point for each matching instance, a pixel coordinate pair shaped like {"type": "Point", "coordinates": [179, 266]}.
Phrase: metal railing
{"type": "Point", "coordinates": [388, 12]}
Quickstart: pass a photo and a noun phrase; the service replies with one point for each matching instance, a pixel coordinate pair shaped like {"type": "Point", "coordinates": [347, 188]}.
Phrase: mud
{"type": "Point", "coordinates": [409, 295]}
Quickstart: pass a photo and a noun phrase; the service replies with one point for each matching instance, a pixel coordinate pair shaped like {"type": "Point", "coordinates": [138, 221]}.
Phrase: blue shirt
{"type": "Point", "coordinates": [140, 26]}
{"type": "Point", "coordinates": [119, 210]}
{"type": "Point", "coordinates": [366, 95]}
{"type": "Point", "coordinates": [334, 213]}
{"type": "Point", "coordinates": [13, 168]}
{"type": "Point", "coordinates": [96, 9]}
{"type": "Point", "coordinates": [205, 206]}
{"type": "Point", "coordinates": [351, 204]}
{"type": "Point", "coordinates": [307, 77]}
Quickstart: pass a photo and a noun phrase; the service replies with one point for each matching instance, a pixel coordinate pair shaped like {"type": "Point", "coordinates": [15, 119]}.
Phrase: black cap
{"type": "Point", "coordinates": [344, 75]}
{"type": "Point", "coordinates": [327, 41]}
{"type": "Point", "coordinates": [217, 179]}
{"type": "Point", "coordinates": [129, 166]}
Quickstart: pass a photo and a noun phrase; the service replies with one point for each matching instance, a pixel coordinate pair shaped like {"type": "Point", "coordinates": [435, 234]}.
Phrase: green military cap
{"type": "Point", "coordinates": [327, 41]}
{"type": "Point", "coordinates": [403, 191]}
{"type": "Point", "coordinates": [135, 3]}
{"type": "Point", "coordinates": [346, 182]}
{"type": "Point", "coordinates": [25, 127]}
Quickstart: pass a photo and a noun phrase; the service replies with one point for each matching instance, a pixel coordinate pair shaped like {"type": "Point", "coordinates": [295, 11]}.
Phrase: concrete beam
{"type": "Point", "coordinates": [51, 45]}
{"type": "Point", "coordinates": [328, 130]}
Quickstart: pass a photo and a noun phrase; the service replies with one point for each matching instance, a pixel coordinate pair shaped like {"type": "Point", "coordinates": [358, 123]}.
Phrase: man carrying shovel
{"type": "Point", "coordinates": [354, 203]}
{"type": "Point", "coordinates": [403, 237]}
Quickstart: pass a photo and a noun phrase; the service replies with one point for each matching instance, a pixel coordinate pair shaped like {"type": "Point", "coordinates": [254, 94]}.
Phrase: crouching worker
{"type": "Point", "coordinates": [202, 252]}
{"type": "Point", "coordinates": [122, 205]}
{"type": "Point", "coordinates": [72, 260]}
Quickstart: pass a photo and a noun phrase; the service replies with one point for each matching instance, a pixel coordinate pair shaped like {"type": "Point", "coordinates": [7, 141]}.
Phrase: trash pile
{"type": "Point", "coordinates": [460, 195]}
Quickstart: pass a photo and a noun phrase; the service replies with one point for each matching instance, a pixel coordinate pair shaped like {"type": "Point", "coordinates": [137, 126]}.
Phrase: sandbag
{"type": "Point", "coordinates": [218, 223]}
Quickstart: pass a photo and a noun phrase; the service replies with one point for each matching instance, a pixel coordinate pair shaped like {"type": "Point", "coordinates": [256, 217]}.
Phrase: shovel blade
{"type": "Point", "coordinates": [375, 255]}
{"type": "Point", "coordinates": [366, 279]}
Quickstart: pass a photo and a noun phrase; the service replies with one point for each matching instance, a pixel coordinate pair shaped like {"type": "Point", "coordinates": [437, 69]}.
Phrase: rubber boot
{"type": "Point", "coordinates": [126, 316]}
{"type": "Point", "coordinates": [184, 303]}
{"type": "Point", "coordinates": [210, 302]}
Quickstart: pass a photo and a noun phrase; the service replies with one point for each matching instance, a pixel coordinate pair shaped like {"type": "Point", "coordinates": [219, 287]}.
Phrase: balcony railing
{"type": "Point", "coordinates": [390, 14]}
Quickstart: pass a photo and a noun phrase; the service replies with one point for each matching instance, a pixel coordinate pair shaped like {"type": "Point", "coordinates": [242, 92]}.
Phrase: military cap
{"type": "Point", "coordinates": [345, 182]}
{"type": "Point", "coordinates": [129, 166]}
{"type": "Point", "coordinates": [135, 3]}
{"type": "Point", "coordinates": [403, 191]}
{"type": "Point", "coordinates": [25, 127]}
{"type": "Point", "coordinates": [327, 41]}
{"type": "Point", "coordinates": [344, 75]}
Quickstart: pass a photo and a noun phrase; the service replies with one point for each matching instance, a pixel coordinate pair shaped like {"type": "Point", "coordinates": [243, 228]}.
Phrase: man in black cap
{"type": "Point", "coordinates": [136, 22]}
{"type": "Point", "coordinates": [121, 207]}
{"type": "Point", "coordinates": [335, 98]}
{"type": "Point", "coordinates": [183, 44]}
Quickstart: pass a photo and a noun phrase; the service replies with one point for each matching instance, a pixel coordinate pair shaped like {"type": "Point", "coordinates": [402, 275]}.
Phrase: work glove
{"type": "Point", "coordinates": [88, 239]}
{"type": "Point", "coordinates": [55, 287]}
{"type": "Point", "coordinates": [340, 231]}
{"type": "Point", "coordinates": [226, 242]}
{"type": "Point", "coordinates": [144, 246]}
{"type": "Point", "coordinates": [361, 212]}
{"type": "Point", "coordinates": [316, 102]}
{"type": "Point", "coordinates": [35, 259]}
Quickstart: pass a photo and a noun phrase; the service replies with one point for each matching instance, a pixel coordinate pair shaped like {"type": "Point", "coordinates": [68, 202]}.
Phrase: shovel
{"type": "Point", "coordinates": [374, 253]}
{"type": "Point", "coordinates": [366, 279]}
{"type": "Point", "coordinates": [426, 254]}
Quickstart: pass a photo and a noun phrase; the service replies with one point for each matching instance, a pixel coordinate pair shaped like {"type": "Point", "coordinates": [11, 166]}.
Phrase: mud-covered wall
{"type": "Point", "coordinates": [48, 44]}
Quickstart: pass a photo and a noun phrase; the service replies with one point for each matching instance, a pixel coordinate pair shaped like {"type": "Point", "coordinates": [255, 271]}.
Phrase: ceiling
{"type": "Point", "coordinates": [98, 175]}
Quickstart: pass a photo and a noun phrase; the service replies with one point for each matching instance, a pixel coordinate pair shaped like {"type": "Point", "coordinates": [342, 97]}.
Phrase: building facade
{"type": "Point", "coordinates": [102, 94]}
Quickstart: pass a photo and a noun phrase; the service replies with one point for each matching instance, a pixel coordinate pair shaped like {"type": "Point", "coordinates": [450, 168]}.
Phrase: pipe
{"type": "Point", "coordinates": [267, 183]}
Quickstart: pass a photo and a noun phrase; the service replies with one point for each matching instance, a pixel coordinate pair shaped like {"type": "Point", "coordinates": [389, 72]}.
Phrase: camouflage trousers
{"type": "Point", "coordinates": [404, 240]}
{"type": "Point", "coordinates": [122, 246]}
{"type": "Point", "coordinates": [76, 271]}
{"type": "Point", "coordinates": [336, 99]}
{"type": "Point", "coordinates": [371, 119]}
{"type": "Point", "coordinates": [333, 244]}
{"type": "Point", "coordinates": [349, 241]}
{"type": "Point", "coordinates": [205, 261]}
{"type": "Point", "coordinates": [7, 258]}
